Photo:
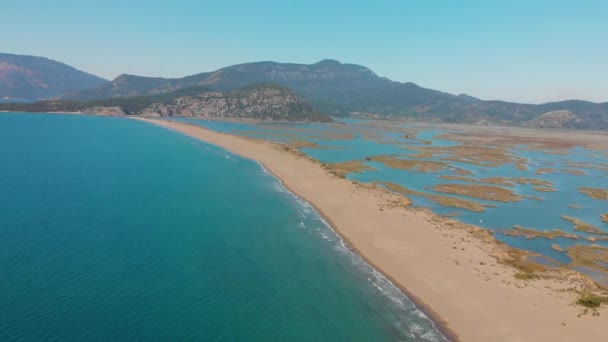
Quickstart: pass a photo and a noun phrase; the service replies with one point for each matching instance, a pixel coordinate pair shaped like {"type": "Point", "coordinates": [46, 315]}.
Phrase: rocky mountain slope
{"type": "Point", "coordinates": [266, 102]}
{"type": "Point", "coordinates": [259, 101]}
{"type": "Point", "coordinates": [330, 85]}
{"type": "Point", "coordinates": [348, 89]}
{"type": "Point", "coordinates": [31, 78]}
{"type": "Point", "coordinates": [556, 119]}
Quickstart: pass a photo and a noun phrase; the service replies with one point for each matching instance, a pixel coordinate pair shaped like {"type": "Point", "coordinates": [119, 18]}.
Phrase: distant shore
{"type": "Point", "coordinates": [448, 271]}
{"type": "Point", "coordinates": [67, 113]}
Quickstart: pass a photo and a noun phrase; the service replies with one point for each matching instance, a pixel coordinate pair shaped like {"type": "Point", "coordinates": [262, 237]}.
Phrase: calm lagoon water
{"type": "Point", "coordinates": [114, 229]}
{"type": "Point", "coordinates": [529, 213]}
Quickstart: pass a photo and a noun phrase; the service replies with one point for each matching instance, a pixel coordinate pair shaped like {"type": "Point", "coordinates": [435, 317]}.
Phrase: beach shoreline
{"type": "Point", "coordinates": [421, 254]}
{"type": "Point", "coordinates": [438, 322]}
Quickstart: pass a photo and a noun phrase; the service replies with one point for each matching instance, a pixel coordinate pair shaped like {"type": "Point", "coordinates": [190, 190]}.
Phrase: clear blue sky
{"type": "Point", "coordinates": [529, 51]}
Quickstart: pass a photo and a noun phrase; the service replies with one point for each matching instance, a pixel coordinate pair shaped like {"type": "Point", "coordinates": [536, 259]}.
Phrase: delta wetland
{"type": "Point", "coordinates": [540, 192]}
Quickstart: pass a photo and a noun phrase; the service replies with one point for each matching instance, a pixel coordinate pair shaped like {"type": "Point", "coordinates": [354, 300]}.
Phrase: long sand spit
{"type": "Point", "coordinates": [448, 272]}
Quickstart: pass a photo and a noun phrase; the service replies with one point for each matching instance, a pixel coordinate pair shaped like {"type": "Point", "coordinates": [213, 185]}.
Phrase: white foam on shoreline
{"type": "Point", "coordinates": [377, 279]}
{"type": "Point", "coordinates": [381, 283]}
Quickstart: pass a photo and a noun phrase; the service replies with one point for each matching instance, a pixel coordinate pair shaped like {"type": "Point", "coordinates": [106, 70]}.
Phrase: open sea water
{"type": "Point", "coordinates": [114, 229]}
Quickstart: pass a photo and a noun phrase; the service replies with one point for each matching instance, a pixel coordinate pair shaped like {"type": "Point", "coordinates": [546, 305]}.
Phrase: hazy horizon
{"type": "Point", "coordinates": [531, 53]}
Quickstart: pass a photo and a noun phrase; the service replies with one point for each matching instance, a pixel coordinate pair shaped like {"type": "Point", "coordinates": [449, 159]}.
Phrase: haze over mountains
{"type": "Point", "coordinates": [353, 90]}
{"type": "Point", "coordinates": [32, 78]}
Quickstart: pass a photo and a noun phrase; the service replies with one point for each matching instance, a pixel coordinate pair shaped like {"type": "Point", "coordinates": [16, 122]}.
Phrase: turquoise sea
{"type": "Point", "coordinates": [117, 230]}
{"type": "Point", "coordinates": [389, 138]}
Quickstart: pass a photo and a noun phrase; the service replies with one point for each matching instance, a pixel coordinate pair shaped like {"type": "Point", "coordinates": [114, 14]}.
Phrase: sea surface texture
{"type": "Point", "coordinates": [117, 230]}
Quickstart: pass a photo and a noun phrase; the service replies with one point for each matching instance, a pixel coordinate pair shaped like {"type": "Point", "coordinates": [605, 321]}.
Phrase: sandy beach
{"type": "Point", "coordinates": [448, 270]}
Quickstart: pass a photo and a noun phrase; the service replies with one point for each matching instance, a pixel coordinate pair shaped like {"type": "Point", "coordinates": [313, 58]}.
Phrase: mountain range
{"type": "Point", "coordinates": [342, 89]}
{"type": "Point", "coordinates": [263, 101]}
{"type": "Point", "coordinates": [32, 78]}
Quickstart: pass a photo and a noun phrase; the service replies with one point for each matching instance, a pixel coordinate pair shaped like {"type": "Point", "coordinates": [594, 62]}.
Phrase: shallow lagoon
{"type": "Point", "coordinates": [405, 141]}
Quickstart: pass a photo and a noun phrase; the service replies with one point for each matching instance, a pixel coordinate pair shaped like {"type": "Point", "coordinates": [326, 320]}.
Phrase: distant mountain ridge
{"type": "Point", "coordinates": [335, 88]}
{"type": "Point", "coordinates": [329, 84]}
{"type": "Point", "coordinates": [354, 90]}
{"type": "Point", "coordinates": [32, 78]}
{"type": "Point", "coordinates": [259, 101]}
